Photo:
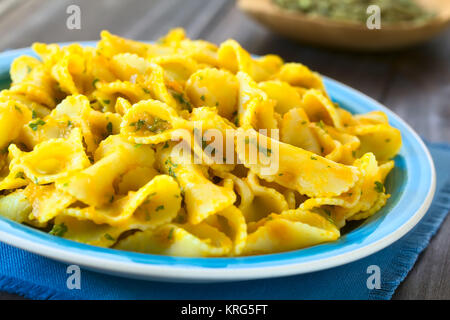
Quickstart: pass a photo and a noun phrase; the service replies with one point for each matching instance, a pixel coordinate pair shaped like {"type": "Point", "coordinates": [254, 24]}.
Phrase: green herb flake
{"type": "Point", "coordinates": [203, 98]}
{"type": "Point", "coordinates": [59, 230]}
{"type": "Point", "coordinates": [106, 101]}
{"type": "Point", "coordinates": [109, 237]}
{"type": "Point", "coordinates": [34, 125]}
{"type": "Point", "coordinates": [182, 100]}
{"type": "Point", "coordinates": [18, 108]}
{"type": "Point", "coordinates": [109, 128]}
{"type": "Point", "coordinates": [20, 175]}
{"type": "Point", "coordinates": [379, 187]}
{"type": "Point", "coordinates": [33, 114]}
{"type": "Point", "coordinates": [166, 145]}
{"type": "Point", "coordinates": [313, 158]}
{"type": "Point", "coordinates": [95, 82]}
{"type": "Point", "coordinates": [158, 208]}
{"type": "Point", "coordinates": [170, 235]}
{"type": "Point", "coordinates": [321, 124]}
{"type": "Point", "coordinates": [146, 90]}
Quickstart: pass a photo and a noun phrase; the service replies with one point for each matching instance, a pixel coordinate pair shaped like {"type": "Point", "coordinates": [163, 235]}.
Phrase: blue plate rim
{"type": "Point", "coordinates": [148, 266]}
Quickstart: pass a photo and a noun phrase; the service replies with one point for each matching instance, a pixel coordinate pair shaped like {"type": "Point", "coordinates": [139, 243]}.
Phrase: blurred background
{"type": "Point", "coordinates": [413, 82]}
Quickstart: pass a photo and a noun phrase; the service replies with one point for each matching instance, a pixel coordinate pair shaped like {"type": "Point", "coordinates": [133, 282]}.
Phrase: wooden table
{"type": "Point", "coordinates": [415, 83]}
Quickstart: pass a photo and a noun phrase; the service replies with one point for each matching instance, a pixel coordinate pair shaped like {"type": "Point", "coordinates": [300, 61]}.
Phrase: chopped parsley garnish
{"type": "Point", "coordinates": [182, 100]}
{"type": "Point", "coordinates": [266, 151]}
{"type": "Point", "coordinates": [20, 175]}
{"type": "Point", "coordinates": [166, 145]}
{"type": "Point", "coordinates": [18, 108]}
{"type": "Point", "coordinates": [378, 187]}
{"type": "Point", "coordinates": [69, 124]}
{"type": "Point", "coordinates": [158, 125]}
{"type": "Point", "coordinates": [170, 235]}
{"type": "Point", "coordinates": [203, 98]}
{"type": "Point", "coordinates": [146, 90]}
{"type": "Point", "coordinates": [109, 237]}
{"type": "Point", "coordinates": [109, 128]}
{"type": "Point", "coordinates": [94, 82]}
{"type": "Point", "coordinates": [138, 145]}
{"type": "Point", "coordinates": [111, 200]}
{"type": "Point", "coordinates": [170, 166]}
{"type": "Point", "coordinates": [106, 101]}
{"type": "Point", "coordinates": [59, 230]}
{"type": "Point", "coordinates": [158, 208]}
{"type": "Point", "coordinates": [321, 124]}
{"type": "Point", "coordinates": [138, 124]}
{"type": "Point", "coordinates": [34, 125]}
{"type": "Point", "coordinates": [33, 114]}
{"type": "Point", "coordinates": [313, 158]}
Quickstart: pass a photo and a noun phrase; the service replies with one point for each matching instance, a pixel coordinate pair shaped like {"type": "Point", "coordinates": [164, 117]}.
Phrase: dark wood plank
{"type": "Point", "coordinates": [414, 83]}
{"type": "Point", "coordinates": [8, 296]}
{"type": "Point", "coordinates": [429, 279]}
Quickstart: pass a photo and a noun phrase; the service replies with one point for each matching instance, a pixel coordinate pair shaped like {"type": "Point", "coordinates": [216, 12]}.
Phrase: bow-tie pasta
{"type": "Point", "coordinates": [184, 148]}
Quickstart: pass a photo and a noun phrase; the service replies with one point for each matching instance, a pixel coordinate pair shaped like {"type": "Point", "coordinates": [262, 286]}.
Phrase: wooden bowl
{"type": "Point", "coordinates": [348, 35]}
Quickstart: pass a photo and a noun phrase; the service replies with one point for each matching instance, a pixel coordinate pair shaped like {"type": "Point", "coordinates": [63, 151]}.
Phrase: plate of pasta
{"type": "Point", "coordinates": [183, 160]}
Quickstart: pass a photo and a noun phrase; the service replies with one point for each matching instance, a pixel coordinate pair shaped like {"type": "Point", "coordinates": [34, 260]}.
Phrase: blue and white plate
{"type": "Point", "coordinates": [411, 184]}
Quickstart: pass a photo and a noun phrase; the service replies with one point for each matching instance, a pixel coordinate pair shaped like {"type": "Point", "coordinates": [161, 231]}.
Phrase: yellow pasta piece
{"type": "Point", "coordinates": [53, 159]}
{"type": "Point", "coordinates": [214, 88]}
{"type": "Point", "coordinates": [21, 67]}
{"type": "Point", "coordinates": [234, 58]}
{"type": "Point", "coordinates": [38, 85]}
{"type": "Point", "coordinates": [94, 185]}
{"type": "Point", "coordinates": [295, 130]}
{"type": "Point", "coordinates": [318, 107]}
{"type": "Point", "coordinates": [39, 110]}
{"type": "Point", "coordinates": [128, 65]}
{"type": "Point", "coordinates": [13, 116]}
{"type": "Point", "coordinates": [294, 229]}
{"type": "Point", "coordinates": [47, 201]}
{"type": "Point", "coordinates": [177, 68]}
{"type": "Point", "coordinates": [154, 204]}
{"type": "Point", "coordinates": [264, 201]}
{"type": "Point", "coordinates": [85, 231]}
{"type": "Point", "coordinates": [299, 75]}
{"type": "Point", "coordinates": [298, 169]}
{"type": "Point", "coordinates": [199, 240]}
{"type": "Point", "coordinates": [381, 139]}
{"type": "Point", "coordinates": [111, 45]}
{"type": "Point", "coordinates": [286, 96]}
{"type": "Point", "coordinates": [15, 206]}
{"type": "Point", "coordinates": [150, 122]}
{"type": "Point", "coordinates": [201, 196]}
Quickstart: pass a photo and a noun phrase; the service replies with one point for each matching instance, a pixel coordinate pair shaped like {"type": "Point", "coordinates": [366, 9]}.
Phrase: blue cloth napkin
{"type": "Point", "coordinates": [36, 277]}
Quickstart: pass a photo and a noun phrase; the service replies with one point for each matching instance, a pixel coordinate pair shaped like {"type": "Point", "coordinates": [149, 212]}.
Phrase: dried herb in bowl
{"type": "Point", "coordinates": [392, 11]}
